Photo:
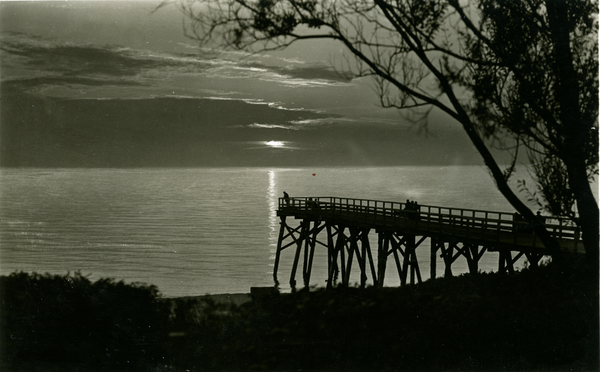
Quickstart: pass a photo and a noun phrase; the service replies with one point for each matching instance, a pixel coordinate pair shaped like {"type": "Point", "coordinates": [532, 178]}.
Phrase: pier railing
{"type": "Point", "coordinates": [464, 222]}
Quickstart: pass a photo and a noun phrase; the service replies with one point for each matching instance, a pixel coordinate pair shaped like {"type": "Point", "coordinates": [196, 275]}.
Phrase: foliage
{"type": "Point", "coordinates": [551, 182]}
{"type": "Point", "coordinates": [520, 94]}
{"type": "Point", "coordinates": [539, 319]}
{"type": "Point", "coordinates": [471, 322]}
{"type": "Point", "coordinates": [68, 319]}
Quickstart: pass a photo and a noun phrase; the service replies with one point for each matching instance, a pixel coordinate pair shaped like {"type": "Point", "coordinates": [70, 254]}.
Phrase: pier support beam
{"type": "Point", "coordinates": [473, 253]}
{"type": "Point", "coordinates": [291, 233]}
{"type": "Point", "coordinates": [433, 248]}
{"type": "Point", "coordinates": [357, 244]}
{"type": "Point", "coordinates": [307, 238]}
{"type": "Point", "coordinates": [282, 228]}
{"type": "Point", "coordinates": [453, 250]}
{"type": "Point", "coordinates": [447, 253]}
{"type": "Point", "coordinates": [332, 266]}
{"type": "Point", "coordinates": [507, 261]}
{"type": "Point", "coordinates": [534, 259]}
{"type": "Point", "coordinates": [392, 243]}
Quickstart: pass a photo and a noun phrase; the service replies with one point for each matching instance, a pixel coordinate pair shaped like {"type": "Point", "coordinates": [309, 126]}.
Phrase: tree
{"type": "Point", "coordinates": [521, 75]}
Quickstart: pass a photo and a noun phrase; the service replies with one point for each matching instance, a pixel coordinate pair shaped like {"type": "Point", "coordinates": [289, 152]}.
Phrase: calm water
{"type": "Point", "coordinates": [201, 230]}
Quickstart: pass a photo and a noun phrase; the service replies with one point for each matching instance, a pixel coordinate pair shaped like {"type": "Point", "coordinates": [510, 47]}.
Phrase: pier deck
{"type": "Point", "coordinates": [401, 228]}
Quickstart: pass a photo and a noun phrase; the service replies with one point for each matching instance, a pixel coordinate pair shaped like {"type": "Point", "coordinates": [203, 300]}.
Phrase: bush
{"type": "Point", "coordinates": [70, 320]}
{"type": "Point", "coordinates": [540, 319]}
{"type": "Point", "coordinates": [543, 319]}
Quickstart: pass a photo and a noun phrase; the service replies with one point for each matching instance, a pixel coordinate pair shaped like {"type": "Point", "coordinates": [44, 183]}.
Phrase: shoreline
{"type": "Point", "coordinates": [220, 298]}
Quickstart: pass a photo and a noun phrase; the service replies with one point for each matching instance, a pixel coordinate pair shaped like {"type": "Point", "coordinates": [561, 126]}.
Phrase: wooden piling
{"type": "Point", "coordinates": [433, 257]}
{"type": "Point", "coordinates": [282, 228]}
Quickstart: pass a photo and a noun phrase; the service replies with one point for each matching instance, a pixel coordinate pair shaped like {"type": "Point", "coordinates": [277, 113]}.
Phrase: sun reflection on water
{"type": "Point", "coordinates": [272, 199]}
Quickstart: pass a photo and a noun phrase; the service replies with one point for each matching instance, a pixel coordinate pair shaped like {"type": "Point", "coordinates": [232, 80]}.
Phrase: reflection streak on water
{"type": "Point", "coordinates": [272, 202]}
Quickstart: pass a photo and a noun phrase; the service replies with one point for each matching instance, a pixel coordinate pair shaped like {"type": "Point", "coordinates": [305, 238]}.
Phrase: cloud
{"type": "Point", "coordinates": [261, 102]}
{"type": "Point", "coordinates": [294, 60]}
{"type": "Point", "coordinates": [300, 123]}
{"type": "Point", "coordinates": [271, 126]}
{"type": "Point", "coordinates": [334, 122]}
{"type": "Point", "coordinates": [318, 72]}
{"type": "Point", "coordinates": [272, 145]}
{"type": "Point", "coordinates": [24, 56]}
{"type": "Point", "coordinates": [70, 60]}
{"type": "Point", "coordinates": [307, 123]}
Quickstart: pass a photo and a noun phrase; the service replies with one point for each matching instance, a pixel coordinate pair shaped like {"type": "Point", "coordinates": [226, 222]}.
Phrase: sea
{"type": "Point", "coordinates": [198, 231]}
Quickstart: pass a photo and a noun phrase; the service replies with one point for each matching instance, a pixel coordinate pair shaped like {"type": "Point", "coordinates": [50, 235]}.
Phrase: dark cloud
{"type": "Point", "coordinates": [308, 72]}
{"type": "Point", "coordinates": [100, 62]}
{"type": "Point", "coordinates": [26, 83]}
{"type": "Point", "coordinates": [73, 60]}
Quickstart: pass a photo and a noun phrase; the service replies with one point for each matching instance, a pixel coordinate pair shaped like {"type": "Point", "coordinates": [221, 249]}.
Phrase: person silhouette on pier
{"type": "Point", "coordinates": [286, 197]}
{"type": "Point", "coordinates": [517, 219]}
{"type": "Point", "coordinates": [417, 210]}
{"type": "Point", "coordinates": [540, 219]}
{"type": "Point", "coordinates": [412, 209]}
{"type": "Point", "coordinates": [406, 213]}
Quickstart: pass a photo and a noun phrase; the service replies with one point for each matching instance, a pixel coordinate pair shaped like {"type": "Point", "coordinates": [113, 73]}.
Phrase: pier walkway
{"type": "Point", "coordinates": [342, 226]}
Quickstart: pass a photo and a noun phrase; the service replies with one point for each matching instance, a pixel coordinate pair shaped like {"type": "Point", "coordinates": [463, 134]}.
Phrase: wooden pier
{"type": "Point", "coordinates": [342, 227]}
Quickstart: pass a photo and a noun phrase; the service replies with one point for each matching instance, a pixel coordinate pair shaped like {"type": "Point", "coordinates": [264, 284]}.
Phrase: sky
{"type": "Point", "coordinates": [114, 84]}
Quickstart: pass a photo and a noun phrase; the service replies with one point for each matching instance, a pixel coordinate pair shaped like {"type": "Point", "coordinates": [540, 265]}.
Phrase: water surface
{"type": "Point", "coordinates": [199, 230]}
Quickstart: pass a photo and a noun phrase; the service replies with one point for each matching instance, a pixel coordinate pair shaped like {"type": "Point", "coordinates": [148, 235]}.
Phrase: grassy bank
{"type": "Point", "coordinates": [535, 320]}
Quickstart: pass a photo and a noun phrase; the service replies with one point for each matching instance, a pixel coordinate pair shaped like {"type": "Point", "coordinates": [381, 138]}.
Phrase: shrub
{"type": "Point", "coordinates": [544, 319]}
{"type": "Point", "coordinates": [68, 319]}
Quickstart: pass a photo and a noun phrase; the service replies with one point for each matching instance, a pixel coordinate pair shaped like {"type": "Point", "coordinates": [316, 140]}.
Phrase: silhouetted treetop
{"type": "Point", "coordinates": [517, 75]}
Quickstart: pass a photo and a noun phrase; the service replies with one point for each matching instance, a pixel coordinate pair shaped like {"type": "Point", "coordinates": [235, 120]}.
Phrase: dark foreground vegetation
{"type": "Point", "coordinates": [535, 320]}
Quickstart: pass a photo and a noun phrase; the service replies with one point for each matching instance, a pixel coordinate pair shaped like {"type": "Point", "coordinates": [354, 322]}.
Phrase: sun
{"type": "Point", "coordinates": [275, 144]}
